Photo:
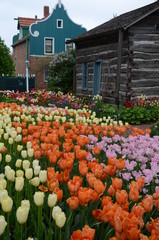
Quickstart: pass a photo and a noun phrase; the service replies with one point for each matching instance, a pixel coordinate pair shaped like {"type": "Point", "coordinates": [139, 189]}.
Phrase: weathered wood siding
{"type": "Point", "coordinates": [139, 61]}
{"type": "Point", "coordinates": [144, 49]}
{"type": "Point", "coordinates": [106, 51]}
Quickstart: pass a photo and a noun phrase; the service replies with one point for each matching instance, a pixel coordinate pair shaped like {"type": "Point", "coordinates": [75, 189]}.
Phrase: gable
{"type": "Point", "coordinates": [48, 28]}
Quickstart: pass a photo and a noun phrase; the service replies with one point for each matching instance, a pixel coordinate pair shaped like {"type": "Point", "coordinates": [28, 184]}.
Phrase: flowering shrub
{"type": "Point", "coordinates": [61, 72]}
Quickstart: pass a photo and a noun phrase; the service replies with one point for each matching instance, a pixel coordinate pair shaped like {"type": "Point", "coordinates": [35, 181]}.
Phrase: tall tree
{"type": "Point", "coordinates": [6, 61]}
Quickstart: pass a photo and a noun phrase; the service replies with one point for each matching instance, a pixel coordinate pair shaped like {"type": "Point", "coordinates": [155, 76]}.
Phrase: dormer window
{"type": "Point", "coordinates": [59, 23]}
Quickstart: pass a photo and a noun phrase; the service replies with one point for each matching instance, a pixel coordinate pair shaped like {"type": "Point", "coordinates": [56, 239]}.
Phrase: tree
{"type": "Point", "coordinates": [61, 72]}
{"type": "Point", "coordinates": [6, 62]}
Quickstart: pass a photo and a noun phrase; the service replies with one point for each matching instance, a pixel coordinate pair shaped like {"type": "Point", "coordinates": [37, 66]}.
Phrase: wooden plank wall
{"type": "Point", "coordinates": [144, 47]}
{"type": "Point", "coordinates": [108, 56]}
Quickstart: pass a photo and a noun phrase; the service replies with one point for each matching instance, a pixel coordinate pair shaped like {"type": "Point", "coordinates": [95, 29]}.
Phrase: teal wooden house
{"type": "Point", "coordinates": [39, 39]}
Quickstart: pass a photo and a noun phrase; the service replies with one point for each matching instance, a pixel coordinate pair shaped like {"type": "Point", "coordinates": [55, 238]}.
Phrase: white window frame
{"type": "Point", "coordinates": [73, 44]}
{"type": "Point", "coordinates": [61, 20]}
{"type": "Point", "coordinates": [50, 38]}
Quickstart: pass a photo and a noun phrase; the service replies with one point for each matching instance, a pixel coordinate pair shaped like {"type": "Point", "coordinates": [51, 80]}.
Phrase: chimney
{"type": "Point", "coordinates": [46, 11]}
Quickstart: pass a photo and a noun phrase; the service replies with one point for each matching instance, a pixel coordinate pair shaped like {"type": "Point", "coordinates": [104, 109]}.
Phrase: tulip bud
{"type": "Point", "coordinates": [29, 173]}
{"type": "Point", "coordinates": [6, 203]}
{"type": "Point", "coordinates": [3, 193]}
{"type": "Point", "coordinates": [1, 131]}
{"type": "Point", "coordinates": [13, 134]}
{"type": "Point", "coordinates": [5, 136]}
{"type": "Point", "coordinates": [19, 129]}
{"type": "Point", "coordinates": [18, 138]}
{"type": "Point", "coordinates": [37, 170]}
{"type": "Point", "coordinates": [60, 219]}
{"type": "Point", "coordinates": [39, 198]}
{"type": "Point", "coordinates": [24, 153]}
{"type": "Point", "coordinates": [43, 176]}
{"type": "Point", "coordinates": [22, 214]}
{"type": "Point", "coordinates": [19, 173]}
{"type": "Point", "coordinates": [10, 175]}
{"type": "Point", "coordinates": [18, 163]}
{"type": "Point", "coordinates": [3, 184]}
{"type": "Point", "coordinates": [25, 203]}
{"type": "Point", "coordinates": [19, 148]}
{"type": "Point", "coordinates": [30, 152]}
{"type": "Point", "coordinates": [10, 140]}
{"type": "Point", "coordinates": [1, 146]}
{"type": "Point", "coordinates": [35, 181]}
{"type": "Point", "coordinates": [8, 158]}
{"type": "Point", "coordinates": [26, 164]}
{"type": "Point", "coordinates": [35, 163]}
{"type": "Point", "coordinates": [55, 210]}
{"type": "Point", "coordinates": [29, 145]}
{"type": "Point", "coordinates": [19, 184]}
{"type": "Point", "coordinates": [3, 224]}
{"type": "Point", "coordinates": [52, 200]}
{"type": "Point", "coordinates": [2, 175]}
{"type": "Point", "coordinates": [0, 157]}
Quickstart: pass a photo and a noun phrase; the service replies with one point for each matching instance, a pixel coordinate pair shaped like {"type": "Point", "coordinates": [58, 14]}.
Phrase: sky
{"type": "Point", "coordinates": [88, 13]}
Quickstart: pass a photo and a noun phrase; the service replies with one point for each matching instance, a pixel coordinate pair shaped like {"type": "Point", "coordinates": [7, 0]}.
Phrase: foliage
{"type": "Point", "coordinates": [6, 62]}
{"type": "Point", "coordinates": [61, 72]}
{"type": "Point", "coordinates": [155, 129]}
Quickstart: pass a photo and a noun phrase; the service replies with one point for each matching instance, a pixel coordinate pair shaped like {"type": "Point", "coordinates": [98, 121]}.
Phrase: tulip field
{"type": "Point", "coordinates": [67, 175]}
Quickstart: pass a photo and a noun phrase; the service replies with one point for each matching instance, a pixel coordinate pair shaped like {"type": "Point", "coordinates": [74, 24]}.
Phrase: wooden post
{"type": "Point", "coordinates": [120, 42]}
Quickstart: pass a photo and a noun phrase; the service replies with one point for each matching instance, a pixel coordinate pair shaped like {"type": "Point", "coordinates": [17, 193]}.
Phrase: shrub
{"type": "Point", "coordinates": [61, 72]}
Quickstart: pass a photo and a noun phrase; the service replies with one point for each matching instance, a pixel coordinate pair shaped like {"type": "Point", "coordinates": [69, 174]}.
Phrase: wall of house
{"type": "Point", "coordinates": [104, 49]}
{"type": "Point", "coordinates": [144, 49]}
{"type": "Point", "coordinates": [19, 58]}
{"type": "Point", "coordinates": [37, 67]}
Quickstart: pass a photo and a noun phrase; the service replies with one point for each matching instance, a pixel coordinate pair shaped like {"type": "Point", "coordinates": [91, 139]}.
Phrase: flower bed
{"type": "Point", "coordinates": [66, 174]}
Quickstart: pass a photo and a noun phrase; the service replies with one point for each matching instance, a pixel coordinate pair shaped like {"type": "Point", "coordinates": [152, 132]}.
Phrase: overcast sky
{"type": "Point", "coordinates": [88, 13]}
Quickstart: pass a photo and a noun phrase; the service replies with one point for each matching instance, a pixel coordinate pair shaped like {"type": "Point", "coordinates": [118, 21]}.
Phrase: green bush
{"type": "Point", "coordinates": [155, 130]}
{"type": "Point", "coordinates": [61, 72]}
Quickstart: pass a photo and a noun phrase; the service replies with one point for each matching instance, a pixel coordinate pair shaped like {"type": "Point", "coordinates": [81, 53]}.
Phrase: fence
{"type": "Point", "coordinates": [16, 83]}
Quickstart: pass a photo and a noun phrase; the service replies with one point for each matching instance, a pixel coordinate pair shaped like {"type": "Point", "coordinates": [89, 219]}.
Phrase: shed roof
{"type": "Point", "coordinates": [123, 21]}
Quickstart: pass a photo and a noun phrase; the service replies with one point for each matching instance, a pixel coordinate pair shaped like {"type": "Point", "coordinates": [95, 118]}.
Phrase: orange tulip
{"type": "Point", "coordinates": [97, 214]}
{"type": "Point", "coordinates": [117, 183]}
{"type": "Point", "coordinates": [96, 150]}
{"type": "Point", "coordinates": [99, 187]}
{"type": "Point", "coordinates": [74, 185]}
{"type": "Point", "coordinates": [120, 164]}
{"type": "Point", "coordinates": [76, 235]}
{"type": "Point", "coordinates": [134, 194]}
{"type": "Point", "coordinates": [83, 168]}
{"type": "Point", "coordinates": [73, 202]}
{"type": "Point", "coordinates": [52, 157]}
{"type": "Point", "coordinates": [111, 191]}
{"type": "Point", "coordinates": [147, 203]}
{"type": "Point", "coordinates": [121, 196]}
{"type": "Point", "coordinates": [106, 200]}
{"type": "Point", "coordinates": [43, 188]}
{"type": "Point", "coordinates": [52, 184]}
{"type": "Point", "coordinates": [59, 193]}
{"type": "Point", "coordinates": [88, 233]}
{"type": "Point", "coordinates": [84, 195]}
{"type": "Point", "coordinates": [110, 170]}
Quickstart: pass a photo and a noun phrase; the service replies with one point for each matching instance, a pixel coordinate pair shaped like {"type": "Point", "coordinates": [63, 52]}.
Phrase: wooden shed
{"type": "Point", "coordinates": [120, 58]}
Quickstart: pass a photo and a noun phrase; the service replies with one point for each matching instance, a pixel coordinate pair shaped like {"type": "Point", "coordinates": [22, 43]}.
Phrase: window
{"type": "Point", "coordinates": [69, 46]}
{"type": "Point", "coordinates": [85, 76]}
{"type": "Point", "coordinates": [59, 23]}
{"type": "Point", "coordinates": [46, 74]}
{"type": "Point", "coordinates": [49, 46]}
